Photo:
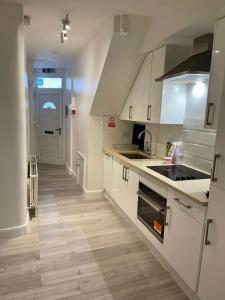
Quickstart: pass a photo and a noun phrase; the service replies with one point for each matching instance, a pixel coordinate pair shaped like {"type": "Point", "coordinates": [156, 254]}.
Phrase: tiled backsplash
{"type": "Point", "coordinates": [198, 144]}
{"type": "Point", "coordinates": [120, 134]}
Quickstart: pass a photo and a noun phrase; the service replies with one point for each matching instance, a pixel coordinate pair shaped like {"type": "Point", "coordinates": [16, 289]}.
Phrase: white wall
{"type": "Point", "coordinates": [87, 129]}
{"type": "Point", "coordinates": [13, 149]}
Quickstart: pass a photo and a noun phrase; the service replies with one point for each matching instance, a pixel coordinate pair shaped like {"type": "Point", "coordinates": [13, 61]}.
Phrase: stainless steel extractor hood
{"type": "Point", "coordinates": [197, 67]}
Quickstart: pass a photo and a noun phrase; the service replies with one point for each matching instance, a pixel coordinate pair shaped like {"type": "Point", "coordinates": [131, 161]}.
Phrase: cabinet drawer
{"type": "Point", "coordinates": [189, 206]}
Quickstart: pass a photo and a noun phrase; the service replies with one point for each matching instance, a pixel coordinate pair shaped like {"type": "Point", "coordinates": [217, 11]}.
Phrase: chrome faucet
{"type": "Point", "coordinates": [147, 150]}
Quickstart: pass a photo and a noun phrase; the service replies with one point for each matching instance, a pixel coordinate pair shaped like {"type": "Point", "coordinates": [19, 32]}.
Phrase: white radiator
{"type": "Point", "coordinates": [33, 197]}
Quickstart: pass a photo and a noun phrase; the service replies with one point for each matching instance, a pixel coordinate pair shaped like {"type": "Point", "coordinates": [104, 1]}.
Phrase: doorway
{"type": "Point", "coordinates": [49, 103]}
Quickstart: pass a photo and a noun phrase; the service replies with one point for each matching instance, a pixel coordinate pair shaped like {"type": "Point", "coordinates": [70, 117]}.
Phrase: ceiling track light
{"type": "Point", "coordinates": [66, 27]}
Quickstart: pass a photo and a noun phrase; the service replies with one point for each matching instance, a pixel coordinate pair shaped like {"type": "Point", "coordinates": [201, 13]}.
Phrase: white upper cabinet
{"type": "Point", "coordinates": [145, 100]}
{"type": "Point", "coordinates": [216, 76]}
{"type": "Point", "coordinates": [139, 93]}
{"type": "Point", "coordinates": [218, 169]}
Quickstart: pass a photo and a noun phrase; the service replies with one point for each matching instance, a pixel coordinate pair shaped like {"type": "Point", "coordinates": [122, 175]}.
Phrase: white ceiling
{"type": "Point", "coordinates": [88, 16]}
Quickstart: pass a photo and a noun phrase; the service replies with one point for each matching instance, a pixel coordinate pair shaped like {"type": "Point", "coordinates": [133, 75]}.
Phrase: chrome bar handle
{"type": "Point", "coordinates": [210, 106]}
{"type": "Point", "coordinates": [149, 112]}
{"type": "Point", "coordinates": [130, 111]}
{"type": "Point", "coordinates": [181, 203]}
{"type": "Point", "coordinates": [124, 175]}
{"type": "Point", "coordinates": [213, 178]}
{"type": "Point", "coordinates": [166, 210]}
{"type": "Point", "coordinates": [126, 179]}
{"type": "Point", "coordinates": [207, 242]}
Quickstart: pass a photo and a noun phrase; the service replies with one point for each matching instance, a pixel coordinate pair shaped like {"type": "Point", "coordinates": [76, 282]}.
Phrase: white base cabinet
{"type": "Point", "coordinates": [123, 187]}
{"type": "Point", "coordinates": [108, 170]}
{"type": "Point", "coordinates": [212, 276]}
{"type": "Point", "coordinates": [183, 237]}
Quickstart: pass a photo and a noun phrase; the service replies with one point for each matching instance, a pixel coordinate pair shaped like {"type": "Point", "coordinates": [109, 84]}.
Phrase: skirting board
{"type": "Point", "coordinates": [180, 282]}
{"type": "Point", "coordinates": [93, 193]}
{"type": "Point", "coordinates": [12, 232]}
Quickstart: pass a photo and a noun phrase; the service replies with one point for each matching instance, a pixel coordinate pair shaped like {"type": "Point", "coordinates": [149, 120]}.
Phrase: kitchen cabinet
{"type": "Point", "coordinates": [139, 93]}
{"type": "Point", "coordinates": [108, 171]}
{"type": "Point", "coordinates": [183, 237]}
{"type": "Point", "coordinates": [144, 102]}
{"type": "Point", "coordinates": [216, 80]}
{"type": "Point", "coordinates": [130, 198]}
{"type": "Point", "coordinates": [211, 283]}
{"type": "Point", "coordinates": [121, 184]}
{"type": "Point", "coordinates": [218, 169]}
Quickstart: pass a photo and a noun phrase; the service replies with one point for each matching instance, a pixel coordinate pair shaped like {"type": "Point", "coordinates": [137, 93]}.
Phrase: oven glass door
{"type": "Point", "coordinates": [151, 218]}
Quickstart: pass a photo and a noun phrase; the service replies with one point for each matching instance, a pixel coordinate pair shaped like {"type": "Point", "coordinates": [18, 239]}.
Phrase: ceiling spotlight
{"type": "Point", "coordinates": [66, 26]}
{"type": "Point", "coordinates": [64, 29]}
{"type": "Point", "coordinates": [65, 37]}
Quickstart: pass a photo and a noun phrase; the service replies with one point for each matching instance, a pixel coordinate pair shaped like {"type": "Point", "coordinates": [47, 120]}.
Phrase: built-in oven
{"type": "Point", "coordinates": [152, 209]}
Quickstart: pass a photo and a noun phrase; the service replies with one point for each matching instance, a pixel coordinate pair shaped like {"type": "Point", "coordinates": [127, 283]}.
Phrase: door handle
{"type": "Point", "coordinates": [210, 106]}
{"type": "Point", "coordinates": [130, 112]}
{"type": "Point", "coordinates": [209, 221]}
{"type": "Point", "coordinates": [124, 175]}
{"type": "Point", "coordinates": [213, 178]}
{"type": "Point", "coordinates": [59, 130]}
{"type": "Point", "coordinates": [149, 112]}
{"type": "Point", "coordinates": [126, 179]}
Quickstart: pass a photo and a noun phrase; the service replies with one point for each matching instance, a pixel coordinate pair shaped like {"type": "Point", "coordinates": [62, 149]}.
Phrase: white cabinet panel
{"type": "Point", "coordinates": [130, 197]}
{"type": "Point", "coordinates": [183, 241]}
{"type": "Point", "coordinates": [144, 102]}
{"type": "Point", "coordinates": [158, 68]}
{"type": "Point", "coordinates": [136, 104]}
{"type": "Point", "coordinates": [108, 172]}
{"type": "Point", "coordinates": [216, 75]}
{"type": "Point", "coordinates": [211, 284]}
{"type": "Point", "coordinates": [116, 181]}
{"type": "Point", "coordinates": [218, 170]}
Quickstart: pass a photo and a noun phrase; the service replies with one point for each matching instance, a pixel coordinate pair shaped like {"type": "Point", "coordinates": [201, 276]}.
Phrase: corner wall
{"type": "Point", "coordinates": [13, 149]}
{"type": "Point", "coordinates": [87, 129]}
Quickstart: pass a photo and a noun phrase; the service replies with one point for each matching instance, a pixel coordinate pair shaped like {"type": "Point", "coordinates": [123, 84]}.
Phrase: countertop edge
{"type": "Point", "coordinates": [129, 163]}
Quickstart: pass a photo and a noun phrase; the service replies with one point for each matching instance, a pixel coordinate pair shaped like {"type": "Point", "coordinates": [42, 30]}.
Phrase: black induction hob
{"type": "Point", "coordinates": [179, 172]}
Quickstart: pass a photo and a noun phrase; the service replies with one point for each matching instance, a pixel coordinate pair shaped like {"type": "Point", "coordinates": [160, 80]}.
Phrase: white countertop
{"type": "Point", "coordinates": [194, 189]}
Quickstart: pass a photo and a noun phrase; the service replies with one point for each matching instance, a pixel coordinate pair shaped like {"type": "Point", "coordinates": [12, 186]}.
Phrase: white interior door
{"type": "Point", "coordinates": [49, 126]}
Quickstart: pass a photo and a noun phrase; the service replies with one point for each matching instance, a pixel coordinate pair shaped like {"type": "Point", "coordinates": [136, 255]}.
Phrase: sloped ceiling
{"type": "Point", "coordinates": [121, 66]}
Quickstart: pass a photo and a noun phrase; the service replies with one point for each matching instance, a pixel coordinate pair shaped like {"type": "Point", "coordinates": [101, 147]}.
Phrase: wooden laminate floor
{"type": "Point", "coordinates": [79, 249]}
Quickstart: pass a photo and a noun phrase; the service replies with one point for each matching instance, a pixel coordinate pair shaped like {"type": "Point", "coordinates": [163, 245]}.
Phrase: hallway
{"type": "Point", "coordinates": [79, 248]}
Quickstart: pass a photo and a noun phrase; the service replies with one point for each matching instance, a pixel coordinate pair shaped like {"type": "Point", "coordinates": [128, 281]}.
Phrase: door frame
{"type": "Point", "coordinates": [59, 92]}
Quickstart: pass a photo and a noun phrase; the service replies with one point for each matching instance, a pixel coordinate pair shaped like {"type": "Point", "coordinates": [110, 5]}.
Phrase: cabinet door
{"type": "Point", "coordinates": [211, 284]}
{"type": "Point", "coordinates": [136, 105]}
{"type": "Point", "coordinates": [130, 197]}
{"type": "Point", "coordinates": [218, 170]}
{"type": "Point", "coordinates": [216, 76]}
{"type": "Point", "coordinates": [183, 243]}
{"type": "Point", "coordinates": [142, 87]}
{"type": "Point", "coordinates": [108, 172]}
{"type": "Point", "coordinates": [116, 180]}
{"type": "Point", "coordinates": [158, 67]}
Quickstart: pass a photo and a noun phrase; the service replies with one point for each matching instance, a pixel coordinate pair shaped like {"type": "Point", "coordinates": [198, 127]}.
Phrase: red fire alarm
{"type": "Point", "coordinates": [112, 122]}
{"type": "Point", "coordinates": [73, 111]}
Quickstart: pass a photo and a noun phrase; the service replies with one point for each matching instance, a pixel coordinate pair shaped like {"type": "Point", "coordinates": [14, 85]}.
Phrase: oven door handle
{"type": "Point", "coordinates": [145, 197]}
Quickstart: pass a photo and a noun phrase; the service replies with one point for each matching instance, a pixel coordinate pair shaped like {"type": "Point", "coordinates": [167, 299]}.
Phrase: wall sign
{"type": "Point", "coordinates": [112, 122]}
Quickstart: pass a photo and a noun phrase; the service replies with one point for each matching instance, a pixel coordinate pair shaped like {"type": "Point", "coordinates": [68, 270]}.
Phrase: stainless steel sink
{"type": "Point", "coordinates": [134, 156]}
